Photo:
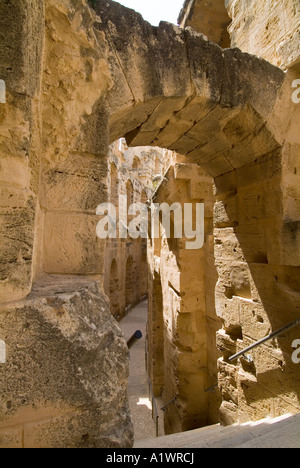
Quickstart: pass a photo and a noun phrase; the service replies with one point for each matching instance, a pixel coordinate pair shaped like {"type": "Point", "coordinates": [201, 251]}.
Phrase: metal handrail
{"type": "Point", "coordinates": [169, 404]}
{"type": "Point", "coordinates": [154, 408]}
{"type": "Point", "coordinates": [264, 340]}
{"type": "Point", "coordinates": [259, 343]}
{"type": "Point", "coordinates": [211, 389]}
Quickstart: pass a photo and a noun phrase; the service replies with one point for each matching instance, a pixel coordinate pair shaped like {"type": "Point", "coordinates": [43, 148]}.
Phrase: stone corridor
{"type": "Point", "coordinates": [138, 384]}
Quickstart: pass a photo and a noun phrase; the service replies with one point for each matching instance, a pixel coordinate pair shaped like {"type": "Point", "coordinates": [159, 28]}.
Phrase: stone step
{"type": "Point", "coordinates": [285, 434]}
{"type": "Point", "coordinates": [283, 431]}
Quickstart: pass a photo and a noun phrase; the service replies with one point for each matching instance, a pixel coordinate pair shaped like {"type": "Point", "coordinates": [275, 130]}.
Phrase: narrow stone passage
{"type": "Point", "coordinates": [138, 385]}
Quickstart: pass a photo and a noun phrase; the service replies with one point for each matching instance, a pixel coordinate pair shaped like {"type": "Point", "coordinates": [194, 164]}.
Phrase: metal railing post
{"type": "Point", "coordinates": [265, 340]}
{"type": "Point", "coordinates": [259, 343]}
{"type": "Point", "coordinates": [154, 408]}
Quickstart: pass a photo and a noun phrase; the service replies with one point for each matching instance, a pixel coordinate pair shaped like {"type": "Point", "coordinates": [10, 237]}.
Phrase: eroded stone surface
{"type": "Point", "coordinates": [67, 367]}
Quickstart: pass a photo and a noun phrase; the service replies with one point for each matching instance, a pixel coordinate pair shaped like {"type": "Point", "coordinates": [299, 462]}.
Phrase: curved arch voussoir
{"type": "Point", "coordinates": [175, 89]}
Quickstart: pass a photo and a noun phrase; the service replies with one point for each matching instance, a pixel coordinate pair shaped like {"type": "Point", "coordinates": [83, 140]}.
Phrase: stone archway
{"type": "Point", "coordinates": [182, 92]}
{"type": "Point", "coordinates": [168, 87]}
{"type": "Point", "coordinates": [228, 112]}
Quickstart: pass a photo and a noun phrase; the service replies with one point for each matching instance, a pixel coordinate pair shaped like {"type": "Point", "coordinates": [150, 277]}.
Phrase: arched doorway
{"type": "Point", "coordinates": [129, 193]}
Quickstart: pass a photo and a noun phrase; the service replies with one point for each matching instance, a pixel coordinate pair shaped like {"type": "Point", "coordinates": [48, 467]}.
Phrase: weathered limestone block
{"type": "Point", "coordinates": [207, 17]}
{"type": "Point", "coordinates": [71, 245]}
{"type": "Point", "coordinates": [206, 104]}
{"type": "Point", "coordinates": [254, 320]}
{"type": "Point", "coordinates": [226, 213]}
{"type": "Point", "coordinates": [225, 343]}
{"type": "Point", "coordinates": [227, 308]}
{"type": "Point", "coordinates": [227, 245]}
{"type": "Point", "coordinates": [75, 79]}
{"type": "Point", "coordinates": [227, 375]}
{"type": "Point", "coordinates": [16, 239]}
{"type": "Point", "coordinates": [78, 183]}
{"type": "Point", "coordinates": [64, 382]}
{"type": "Point", "coordinates": [266, 29]}
{"type": "Point", "coordinates": [20, 52]}
{"type": "Point", "coordinates": [22, 30]}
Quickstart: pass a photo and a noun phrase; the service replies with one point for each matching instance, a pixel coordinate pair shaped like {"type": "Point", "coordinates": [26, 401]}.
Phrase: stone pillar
{"type": "Point", "coordinates": [182, 322]}
{"type": "Point", "coordinates": [257, 258]}
{"type": "Point", "coordinates": [20, 68]}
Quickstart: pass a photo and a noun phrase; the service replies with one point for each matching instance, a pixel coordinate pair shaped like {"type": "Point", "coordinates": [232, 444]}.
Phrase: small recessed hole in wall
{"type": "Point", "coordinates": [235, 332]}
{"type": "Point", "coordinates": [260, 319]}
{"type": "Point", "coordinates": [229, 293]}
{"type": "Point", "coordinates": [295, 171]}
{"type": "Point", "coordinates": [261, 258]}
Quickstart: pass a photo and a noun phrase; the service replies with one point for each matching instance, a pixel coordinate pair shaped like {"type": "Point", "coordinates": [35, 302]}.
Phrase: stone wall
{"type": "Point", "coordinates": [257, 259]}
{"type": "Point", "coordinates": [75, 77]}
{"type": "Point", "coordinates": [67, 367]}
{"type": "Point", "coordinates": [268, 29]}
{"type": "Point", "coordinates": [132, 173]}
{"type": "Point", "coordinates": [20, 143]}
{"type": "Point", "coordinates": [66, 361]}
{"type": "Point", "coordinates": [208, 17]}
{"type": "Point", "coordinates": [256, 220]}
{"type": "Point", "coordinates": [182, 322]}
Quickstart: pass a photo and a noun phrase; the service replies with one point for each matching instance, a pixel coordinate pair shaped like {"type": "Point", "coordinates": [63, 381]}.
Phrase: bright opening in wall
{"type": "Point", "coordinates": [156, 10]}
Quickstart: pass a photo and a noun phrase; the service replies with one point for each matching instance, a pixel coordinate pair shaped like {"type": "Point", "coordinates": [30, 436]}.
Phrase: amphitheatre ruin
{"type": "Point", "coordinates": [97, 106]}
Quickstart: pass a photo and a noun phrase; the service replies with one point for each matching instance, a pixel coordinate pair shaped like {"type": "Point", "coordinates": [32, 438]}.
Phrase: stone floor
{"type": "Point", "coordinates": [138, 386]}
{"type": "Point", "coordinates": [281, 432]}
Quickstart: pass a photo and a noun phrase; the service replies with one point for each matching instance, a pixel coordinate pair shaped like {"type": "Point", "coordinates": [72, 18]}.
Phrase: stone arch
{"type": "Point", "coordinates": [212, 105]}
{"type": "Point", "coordinates": [227, 111]}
